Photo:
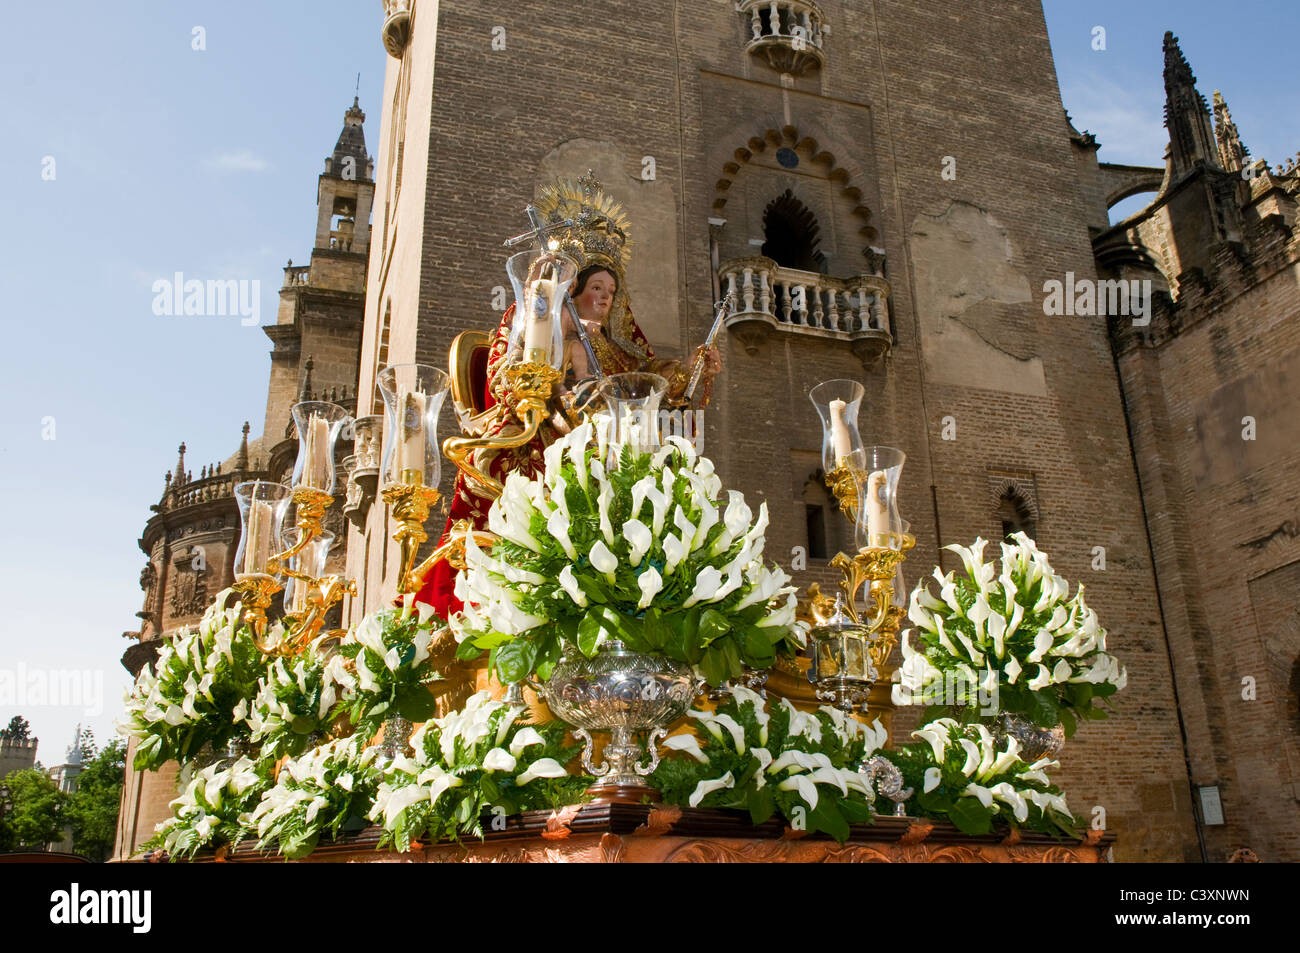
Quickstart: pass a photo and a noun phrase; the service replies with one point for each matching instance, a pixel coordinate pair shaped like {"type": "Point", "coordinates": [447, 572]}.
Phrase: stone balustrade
{"type": "Point", "coordinates": [296, 275]}
{"type": "Point", "coordinates": [806, 302]}
{"type": "Point", "coordinates": [788, 34]}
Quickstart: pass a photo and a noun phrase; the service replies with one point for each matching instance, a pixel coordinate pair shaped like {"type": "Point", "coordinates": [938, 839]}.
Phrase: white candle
{"type": "Point", "coordinates": [316, 472]}
{"type": "Point", "coordinates": [257, 541]}
{"type": "Point", "coordinates": [410, 452]}
{"type": "Point", "coordinates": [877, 511]}
{"type": "Point", "coordinates": [537, 320]}
{"type": "Point", "coordinates": [840, 439]}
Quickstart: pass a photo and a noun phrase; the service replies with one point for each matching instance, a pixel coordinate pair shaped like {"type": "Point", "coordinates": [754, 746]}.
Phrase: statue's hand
{"type": "Point", "coordinates": [711, 358]}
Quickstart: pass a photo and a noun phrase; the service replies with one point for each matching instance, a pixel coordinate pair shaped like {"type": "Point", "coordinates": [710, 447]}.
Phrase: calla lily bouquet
{"type": "Point", "coordinates": [1007, 633]}
{"type": "Point", "coordinates": [295, 698]}
{"type": "Point", "coordinates": [212, 808]}
{"type": "Point", "coordinates": [639, 553]}
{"type": "Point", "coordinates": [381, 667]}
{"type": "Point", "coordinates": [188, 697]}
{"type": "Point", "coordinates": [322, 790]}
{"type": "Point", "coordinates": [958, 773]}
{"type": "Point", "coordinates": [476, 762]}
{"type": "Point", "coordinates": [768, 759]}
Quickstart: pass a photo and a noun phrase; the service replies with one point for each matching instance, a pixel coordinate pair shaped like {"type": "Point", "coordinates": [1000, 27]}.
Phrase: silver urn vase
{"type": "Point", "coordinates": [1035, 742]}
{"type": "Point", "coordinates": [624, 693]}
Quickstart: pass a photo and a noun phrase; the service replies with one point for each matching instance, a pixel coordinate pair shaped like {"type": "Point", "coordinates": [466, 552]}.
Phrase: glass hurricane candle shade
{"type": "Point", "coordinates": [413, 396]}
{"type": "Point", "coordinates": [877, 471]}
{"type": "Point", "coordinates": [838, 403]}
{"type": "Point", "coordinates": [540, 280]}
{"type": "Point", "coordinates": [319, 424]}
{"type": "Point", "coordinates": [310, 562]}
{"type": "Point", "coordinates": [632, 411]}
{"type": "Point", "coordinates": [261, 515]}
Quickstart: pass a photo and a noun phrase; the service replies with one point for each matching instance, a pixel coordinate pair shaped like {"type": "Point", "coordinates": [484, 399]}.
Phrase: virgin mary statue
{"type": "Point", "coordinates": [596, 239]}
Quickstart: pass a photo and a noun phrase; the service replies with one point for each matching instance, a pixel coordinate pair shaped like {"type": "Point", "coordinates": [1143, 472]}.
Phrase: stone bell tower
{"type": "Point", "coordinates": [885, 211]}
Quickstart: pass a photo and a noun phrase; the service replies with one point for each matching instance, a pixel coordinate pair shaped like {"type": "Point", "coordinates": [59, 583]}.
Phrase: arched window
{"type": "Point", "coordinates": [790, 233]}
{"type": "Point", "coordinates": [1015, 515]}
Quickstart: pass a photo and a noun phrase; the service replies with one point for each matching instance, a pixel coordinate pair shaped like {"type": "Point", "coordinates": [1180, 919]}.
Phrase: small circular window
{"type": "Point", "coordinates": [787, 157]}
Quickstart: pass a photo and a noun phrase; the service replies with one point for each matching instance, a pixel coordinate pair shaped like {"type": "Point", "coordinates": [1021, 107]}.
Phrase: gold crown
{"type": "Point", "coordinates": [598, 233]}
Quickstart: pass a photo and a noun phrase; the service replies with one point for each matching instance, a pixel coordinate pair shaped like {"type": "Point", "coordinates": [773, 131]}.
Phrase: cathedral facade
{"type": "Point", "coordinates": [890, 208]}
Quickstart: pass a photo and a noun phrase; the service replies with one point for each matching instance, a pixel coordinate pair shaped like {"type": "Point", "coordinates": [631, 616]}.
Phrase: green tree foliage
{"type": "Point", "coordinates": [92, 809]}
{"type": "Point", "coordinates": [19, 729]}
{"type": "Point", "coordinates": [33, 811]}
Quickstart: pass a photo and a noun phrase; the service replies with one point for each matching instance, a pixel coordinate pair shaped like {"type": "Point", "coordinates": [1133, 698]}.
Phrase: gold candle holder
{"type": "Point", "coordinates": [410, 502]}
{"type": "Point", "coordinates": [257, 590]}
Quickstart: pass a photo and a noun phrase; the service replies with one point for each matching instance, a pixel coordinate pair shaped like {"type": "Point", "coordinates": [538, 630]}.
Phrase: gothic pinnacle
{"type": "Point", "coordinates": [305, 393]}
{"type": "Point", "coordinates": [180, 465]}
{"type": "Point", "coordinates": [241, 461]}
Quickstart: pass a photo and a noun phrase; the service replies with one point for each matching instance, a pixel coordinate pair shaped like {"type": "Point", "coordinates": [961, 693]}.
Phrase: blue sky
{"type": "Point", "coordinates": [168, 159]}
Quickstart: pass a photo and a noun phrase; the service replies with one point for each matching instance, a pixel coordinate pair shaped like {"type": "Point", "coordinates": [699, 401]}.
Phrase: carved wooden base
{"type": "Point", "coordinates": [643, 833]}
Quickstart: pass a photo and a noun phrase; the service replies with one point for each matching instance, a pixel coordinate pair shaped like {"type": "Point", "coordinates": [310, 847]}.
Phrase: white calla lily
{"type": "Point", "coordinates": [688, 745]}
{"type": "Point", "coordinates": [499, 759]}
{"type": "Point", "coordinates": [569, 582]}
{"type": "Point", "coordinates": [933, 776]}
{"type": "Point", "coordinates": [525, 738]}
{"type": "Point", "coordinates": [558, 525]}
{"type": "Point", "coordinates": [542, 768]}
{"type": "Point", "coordinates": [804, 786]}
{"type": "Point", "coordinates": [603, 561]}
{"type": "Point", "coordinates": [651, 584]}
{"type": "Point", "coordinates": [705, 788]}
{"type": "Point", "coordinates": [707, 584]}
{"type": "Point", "coordinates": [1005, 793]}
{"type": "Point", "coordinates": [639, 540]}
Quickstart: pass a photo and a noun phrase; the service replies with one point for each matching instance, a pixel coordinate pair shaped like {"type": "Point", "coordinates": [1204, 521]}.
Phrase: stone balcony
{"type": "Point", "coordinates": [787, 34]}
{"type": "Point", "coordinates": [397, 26]}
{"type": "Point", "coordinates": [767, 297]}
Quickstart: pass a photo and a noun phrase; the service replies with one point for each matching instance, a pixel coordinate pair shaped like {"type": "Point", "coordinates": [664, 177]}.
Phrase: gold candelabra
{"type": "Point", "coordinates": [257, 590]}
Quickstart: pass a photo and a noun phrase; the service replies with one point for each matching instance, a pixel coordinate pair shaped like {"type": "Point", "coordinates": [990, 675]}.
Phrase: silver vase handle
{"type": "Point", "coordinates": [598, 771]}
{"type": "Point", "coordinates": [652, 749]}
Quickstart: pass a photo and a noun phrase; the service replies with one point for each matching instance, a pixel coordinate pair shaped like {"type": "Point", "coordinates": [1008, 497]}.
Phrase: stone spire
{"type": "Point", "coordinates": [179, 479]}
{"type": "Point", "coordinates": [1233, 154]}
{"type": "Point", "coordinates": [241, 460]}
{"type": "Point", "coordinates": [305, 392]}
{"type": "Point", "coordinates": [351, 144]}
{"type": "Point", "coordinates": [1187, 115]}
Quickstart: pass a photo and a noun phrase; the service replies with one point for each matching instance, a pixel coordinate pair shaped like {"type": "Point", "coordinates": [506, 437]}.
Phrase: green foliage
{"type": "Point", "coordinates": [92, 808]}
{"type": "Point", "coordinates": [18, 729]}
{"type": "Point", "coordinates": [34, 816]}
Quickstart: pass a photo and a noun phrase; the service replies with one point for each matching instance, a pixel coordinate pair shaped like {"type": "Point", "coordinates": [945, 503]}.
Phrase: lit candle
{"type": "Point", "coordinates": [410, 453]}
{"type": "Point", "coordinates": [840, 432]}
{"type": "Point", "coordinates": [877, 510]}
{"type": "Point", "coordinates": [257, 542]}
{"type": "Point", "coordinates": [316, 470]}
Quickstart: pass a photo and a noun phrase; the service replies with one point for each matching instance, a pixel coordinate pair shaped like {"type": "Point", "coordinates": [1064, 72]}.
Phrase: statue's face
{"type": "Point", "coordinates": [597, 297]}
